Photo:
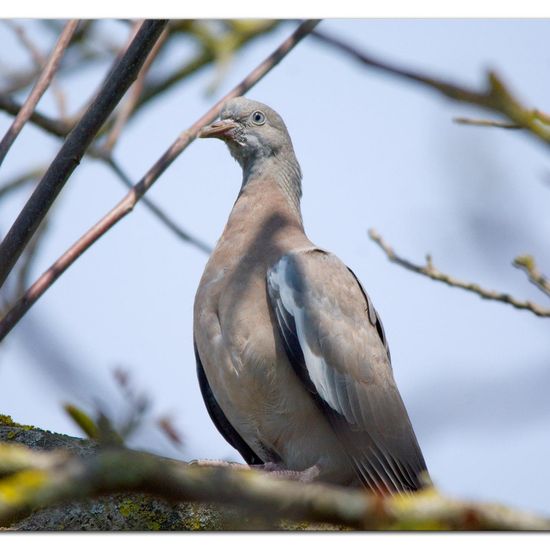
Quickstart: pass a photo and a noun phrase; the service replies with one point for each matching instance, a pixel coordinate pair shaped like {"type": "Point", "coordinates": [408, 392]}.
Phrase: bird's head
{"type": "Point", "coordinates": [252, 131]}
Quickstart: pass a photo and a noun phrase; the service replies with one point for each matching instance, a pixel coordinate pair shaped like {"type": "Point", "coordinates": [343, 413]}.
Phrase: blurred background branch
{"type": "Point", "coordinates": [497, 97]}
{"type": "Point", "coordinates": [38, 90]}
{"type": "Point", "coordinates": [126, 205]}
{"type": "Point", "coordinates": [528, 265]}
{"type": "Point", "coordinates": [88, 45]}
{"type": "Point", "coordinates": [429, 270]}
{"type": "Point", "coordinates": [73, 149]}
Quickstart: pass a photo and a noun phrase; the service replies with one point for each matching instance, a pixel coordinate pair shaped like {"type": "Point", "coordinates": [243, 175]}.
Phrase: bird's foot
{"type": "Point", "coordinates": [278, 471]}
{"type": "Point", "coordinates": [224, 463]}
{"type": "Point", "coordinates": [270, 468]}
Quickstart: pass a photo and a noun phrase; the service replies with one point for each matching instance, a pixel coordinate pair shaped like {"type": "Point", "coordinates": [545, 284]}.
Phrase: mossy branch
{"type": "Point", "coordinates": [527, 264]}
{"type": "Point", "coordinates": [34, 479]}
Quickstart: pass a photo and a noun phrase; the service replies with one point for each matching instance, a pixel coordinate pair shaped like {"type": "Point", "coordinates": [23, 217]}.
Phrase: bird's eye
{"type": "Point", "coordinates": [258, 117]}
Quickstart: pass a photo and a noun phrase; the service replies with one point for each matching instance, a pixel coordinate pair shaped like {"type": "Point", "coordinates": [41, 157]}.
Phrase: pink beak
{"type": "Point", "coordinates": [220, 129]}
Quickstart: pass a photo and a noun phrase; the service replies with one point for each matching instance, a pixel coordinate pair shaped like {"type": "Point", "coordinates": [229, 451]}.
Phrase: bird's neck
{"type": "Point", "coordinates": [264, 220]}
{"type": "Point", "coordinates": [283, 170]}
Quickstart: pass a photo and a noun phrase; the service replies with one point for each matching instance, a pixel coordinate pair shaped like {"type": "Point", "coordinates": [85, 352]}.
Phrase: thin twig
{"type": "Point", "coordinates": [158, 212]}
{"type": "Point", "coordinates": [56, 127]}
{"type": "Point", "coordinates": [121, 77]}
{"type": "Point", "coordinates": [527, 264]}
{"type": "Point", "coordinates": [61, 129]}
{"type": "Point", "coordinates": [21, 180]}
{"type": "Point", "coordinates": [239, 37]}
{"type": "Point", "coordinates": [126, 205]}
{"type": "Point", "coordinates": [83, 53]}
{"type": "Point", "coordinates": [39, 61]}
{"type": "Point", "coordinates": [39, 88]}
{"type": "Point", "coordinates": [118, 53]}
{"type": "Point", "coordinates": [83, 57]}
{"type": "Point", "coordinates": [429, 270]}
{"type": "Point", "coordinates": [484, 122]}
{"type": "Point", "coordinates": [29, 257]}
{"type": "Point", "coordinates": [496, 97]}
{"type": "Point", "coordinates": [241, 33]}
{"type": "Point", "coordinates": [135, 92]}
{"type": "Point", "coordinates": [38, 479]}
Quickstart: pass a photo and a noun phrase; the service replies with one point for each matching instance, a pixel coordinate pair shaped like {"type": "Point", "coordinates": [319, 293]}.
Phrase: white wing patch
{"type": "Point", "coordinates": [318, 370]}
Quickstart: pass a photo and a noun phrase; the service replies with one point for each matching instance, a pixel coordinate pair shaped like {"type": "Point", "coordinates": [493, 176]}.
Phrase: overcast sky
{"type": "Point", "coordinates": [375, 152]}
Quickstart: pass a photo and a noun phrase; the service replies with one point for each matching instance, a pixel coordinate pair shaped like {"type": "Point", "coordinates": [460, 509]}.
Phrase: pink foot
{"type": "Point", "coordinates": [276, 470]}
{"type": "Point", "coordinates": [224, 463]}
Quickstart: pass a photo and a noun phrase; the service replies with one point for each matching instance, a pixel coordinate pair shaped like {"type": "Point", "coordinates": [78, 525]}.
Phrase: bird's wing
{"type": "Point", "coordinates": [336, 344]}
{"type": "Point", "coordinates": [220, 420]}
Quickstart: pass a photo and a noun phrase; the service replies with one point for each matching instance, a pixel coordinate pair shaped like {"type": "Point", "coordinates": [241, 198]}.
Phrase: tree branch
{"type": "Point", "coordinates": [527, 264]}
{"type": "Point", "coordinates": [61, 129]}
{"type": "Point", "coordinates": [156, 210]}
{"type": "Point", "coordinates": [489, 123]}
{"type": "Point", "coordinates": [34, 479]}
{"type": "Point", "coordinates": [240, 36]}
{"type": "Point", "coordinates": [56, 127]}
{"type": "Point", "coordinates": [39, 61]}
{"type": "Point", "coordinates": [126, 205]}
{"type": "Point", "coordinates": [23, 179]}
{"type": "Point", "coordinates": [82, 54]}
{"type": "Point", "coordinates": [433, 273]}
{"type": "Point", "coordinates": [38, 90]}
{"type": "Point", "coordinates": [74, 147]}
{"type": "Point", "coordinates": [136, 90]}
{"type": "Point", "coordinates": [496, 97]}
{"type": "Point", "coordinates": [241, 32]}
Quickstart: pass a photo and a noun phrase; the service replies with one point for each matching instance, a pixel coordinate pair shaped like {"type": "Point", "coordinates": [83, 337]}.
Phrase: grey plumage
{"type": "Point", "coordinates": [291, 354]}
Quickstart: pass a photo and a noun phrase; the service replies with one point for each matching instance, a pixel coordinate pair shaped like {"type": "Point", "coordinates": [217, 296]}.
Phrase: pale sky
{"type": "Point", "coordinates": [375, 151]}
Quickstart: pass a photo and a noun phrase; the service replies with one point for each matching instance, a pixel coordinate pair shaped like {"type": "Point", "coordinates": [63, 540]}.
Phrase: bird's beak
{"type": "Point", "coordinates": [220, 129]}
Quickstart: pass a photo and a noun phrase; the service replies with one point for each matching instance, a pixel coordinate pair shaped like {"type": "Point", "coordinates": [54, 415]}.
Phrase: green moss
{"type": "Point", "coordinates": [138, 510]}
{"type": "Point", "coordinates": [19, 486]}
{"type": "Point", "coordinates": [526, 261]}
{"type": "Point", "coordinates": [128, 507]}
{"type": "Point", "coordinates": [7, 420]}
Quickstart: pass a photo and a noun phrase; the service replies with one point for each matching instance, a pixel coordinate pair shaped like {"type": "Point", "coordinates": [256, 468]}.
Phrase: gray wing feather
{"type": "Point", "coordinates": [336, 344]}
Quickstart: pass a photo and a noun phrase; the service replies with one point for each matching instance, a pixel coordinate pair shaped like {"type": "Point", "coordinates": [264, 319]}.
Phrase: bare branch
{"type": "Point", "coordinates": [34, 52]}
{"type": "Point", "coordinates": [58, 128]}
{"type": "Point", "coordinates": [483, 122]}
{"type": "Point", "coordinates": [157, 211]}
{"type": "Point", "coordinates": [496, 97]}
{"type": "Point", "coordinates": [120, 78]}
{"type": "Point", "coordinates": [136, 91]}
{"type": "Point", "coordinates": [29, 256]}
{"type": "Point", "coordinates": [242, 33]}
{"type": "Point", "coordinates": [126, 205]}
{"type": "Point", "coordinates": [21, 180]}
{"type": "Point", "coordinates": [35, 479]}
{"type": "Point", "coordinates": [83, 53]}
{"type": "Point", "coordinates": [527, 264]}
{"type": "Point", "coordinates": [39, 88]}
{"type": "Point", "coordinates": [429, 270]}
{"type": "Point", "coordinates": [39, 61]}
{"type": "Point", "coordinates": [61, 129]}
